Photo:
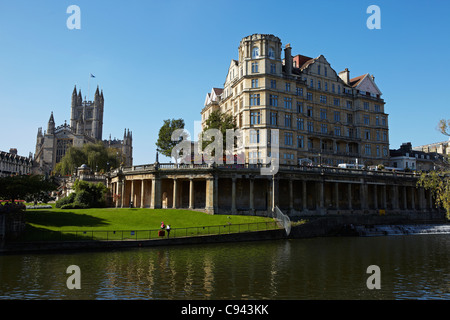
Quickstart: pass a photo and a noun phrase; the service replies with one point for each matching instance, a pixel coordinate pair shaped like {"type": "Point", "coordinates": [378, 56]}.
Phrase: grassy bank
{"type": "Point", "coordinates": [130, 223]}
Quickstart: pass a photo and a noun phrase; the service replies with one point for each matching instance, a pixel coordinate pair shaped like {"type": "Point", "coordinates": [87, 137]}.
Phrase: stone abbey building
{"type": "Point", "coordinates": [322, 115]}
{"type": "Point", "coordinates": [86, 126]}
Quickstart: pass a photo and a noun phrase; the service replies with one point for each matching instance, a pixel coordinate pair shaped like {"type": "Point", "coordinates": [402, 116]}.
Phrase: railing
{"type": "Point", "coordinates": [153, 234]}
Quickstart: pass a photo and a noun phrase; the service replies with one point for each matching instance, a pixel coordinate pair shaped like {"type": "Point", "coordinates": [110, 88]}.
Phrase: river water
{"type": "Point", "coordinates": [410, 267]}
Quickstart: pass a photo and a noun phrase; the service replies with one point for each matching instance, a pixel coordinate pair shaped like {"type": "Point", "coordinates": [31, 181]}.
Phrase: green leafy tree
{"type": "Point", "coordinates": [96, 155]}
{"type": "Point", "coordinates": [25, 186]}
{"type": "Point", "coordinates": [221, 121]}
{"type": "Point", "coordinates": [438, 180]}
{"type": "Point", "coordinates": [165, 144]}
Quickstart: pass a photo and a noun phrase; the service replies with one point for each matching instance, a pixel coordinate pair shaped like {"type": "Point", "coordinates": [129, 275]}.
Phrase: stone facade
{"type": "Point", "coordinates": [322, 115]}
{"type": "Point", "coordinates": [11, 163]}
{"type": "Point", "coordinates": [86, 126]}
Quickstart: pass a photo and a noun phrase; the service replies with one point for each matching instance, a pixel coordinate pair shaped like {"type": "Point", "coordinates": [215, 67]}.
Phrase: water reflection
{"type": "Point", "coordinates": [412, 267]}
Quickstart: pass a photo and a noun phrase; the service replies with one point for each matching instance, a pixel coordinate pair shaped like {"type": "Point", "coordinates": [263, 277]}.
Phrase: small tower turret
{"type": "Point", "coordinates": [51, 125]}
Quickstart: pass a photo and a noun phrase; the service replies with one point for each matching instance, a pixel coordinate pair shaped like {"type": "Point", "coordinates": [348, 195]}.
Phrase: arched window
{"type": "Point", "coordinates": [255, 52]}
{"type": "Point", "coordinates": [271, 53]}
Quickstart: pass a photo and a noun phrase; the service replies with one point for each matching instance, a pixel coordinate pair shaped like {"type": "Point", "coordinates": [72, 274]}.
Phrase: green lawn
{"type": "Point", "coordinates": [135, 223]}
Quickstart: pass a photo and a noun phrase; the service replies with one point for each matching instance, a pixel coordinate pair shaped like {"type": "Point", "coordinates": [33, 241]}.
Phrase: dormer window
{"type": "Point", "coordinates": [255, 52]}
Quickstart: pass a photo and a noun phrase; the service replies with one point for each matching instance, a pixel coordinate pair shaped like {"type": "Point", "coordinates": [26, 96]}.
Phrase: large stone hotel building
{"type": "Point", "coordinates": [322, 116]}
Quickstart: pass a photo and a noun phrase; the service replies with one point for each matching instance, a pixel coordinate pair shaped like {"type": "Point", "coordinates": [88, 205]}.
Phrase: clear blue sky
{"type": "Point", "coordinates": [156, 60]}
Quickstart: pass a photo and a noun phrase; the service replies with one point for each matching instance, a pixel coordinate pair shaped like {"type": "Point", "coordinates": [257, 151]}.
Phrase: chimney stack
{"type": "Point", "coordinates": [288, 59]}
{"type": "Point", "coordinates": [345, 75]}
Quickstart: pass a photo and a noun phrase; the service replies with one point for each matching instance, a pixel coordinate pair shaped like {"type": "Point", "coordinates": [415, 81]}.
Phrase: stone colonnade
{"type": "Point", "coordinates": [227, 191]}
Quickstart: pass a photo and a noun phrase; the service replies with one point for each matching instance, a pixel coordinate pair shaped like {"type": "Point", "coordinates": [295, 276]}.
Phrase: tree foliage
{"type": "Point", "coordinates": [96, 155]}
{"type": "Point", "coordinates": [86, 195]}
{"type": "Point", "coordinates": [165, 144]}
{"type": "Point", "coordinates": [438, 180]}
{"type": "Point", "coordinates": [221, 121]}
{"type": "Point", "coordinates": [25, 186]}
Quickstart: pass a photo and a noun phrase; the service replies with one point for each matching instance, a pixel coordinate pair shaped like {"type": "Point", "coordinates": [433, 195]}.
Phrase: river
{"type": "Point", "coordinates": [410, 267]}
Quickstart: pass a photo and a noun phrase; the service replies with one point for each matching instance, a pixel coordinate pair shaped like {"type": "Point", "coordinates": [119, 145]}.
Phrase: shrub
{"type": "Point", "coordinates": [74, 205]}
{"type": "Point", "coordinates": [66, 200]}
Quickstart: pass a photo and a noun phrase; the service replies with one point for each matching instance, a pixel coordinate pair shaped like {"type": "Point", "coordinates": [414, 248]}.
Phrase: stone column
{"type": "Point", "coordinates": [274, 192]}
{"type": "Point", "coordinates": [413, 202]}
{"type": "Point", "coordinates": [209, 201]}
{"type": "Point", "coordinates": [156, 194]}
{"type": "Point", "coordinates": [363, 195]}
{"type": "Point", "coordinates": [252, 197]}
{"type": "Point", "coordinates": [405, 199]}
{"type": "Point", "coordinates": [142, 194]}
{"type": "Point", "coordinates": [216, 194]}
{"type": "Point", "coordinates": [304, 198]}
{"type": "Point", "coordinates": [349, 196]}
{"type": "Point", "coordinates": [375, 197]}
{"type": "Point", "coordinates": [191, 193]}
{"type": "Point", "coordinates": [336, 195]}
{"type": "Point", "coordinates": [233, 195]}
{"type": "Point", "coordinates": [422, 199]}
{"type": "Point", "coordinates": [291, 196]}
{"type": "Point", "coordinates": [384, 197]}
{"type": "Point", "coordinates": [395, 197]}
{"type": "Point", "coordinates": [132, 194]}
{"type": "Point", "coordinates": [321, 208]}
{"type": "Point", "coordinates": [122, 193]}
{"type": "Point", "coordinates": [175, 194]}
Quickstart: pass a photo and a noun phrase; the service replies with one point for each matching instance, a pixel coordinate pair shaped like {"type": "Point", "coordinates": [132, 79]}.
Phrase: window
{"type": "Point", "coordinates": [378, 135]}
{"type": "Point", "coordinates": [377, 120]}
{"type": "Point", "coordinates": [339, 89]}
{"type": "Point", "coordinates": [383, 121]}
{"type": "Point", "coordinates": [367, 149]}
{"type": "Point", "coordinates": [318, 69]}
{"type": "Point", "coordinates": [332, 88]}
{"type": "Point", "coordinates": [254, 100]}
{"type": "Point", "coordinates": [349, 105]}
{"type": "Point", "coordinates": [271, 53]}
{"type": "Point", "coordinates": [310, 126]}
{"type": "Point", "coordinates": [309, 96]}
{"type": "Point", "coordinates": [323, 114]}
{"type": "Point", "coordinates": [311, 83]}
{"type": "Point", "coordinates": [326, 71]}
{"type": "Point", "coordinates": [273, 84]}
{"type": "Point", "coordinates": [255, 52]}
{"type": "Point", "coordinates": [273, 118]}
{"type": "Point", "coordinates": [385, 136]}
{"type": "Point", "coordinates": [300, 142]}
{"type": "Point", "coordinates": [377, 108]}
{"type": "Point", "coordinates": [366, 120]}
{"type": "Point", "coordinates": [366, 106]}
{"type": "Point", "coordinates": [254, 67]}
{"type": "Point", "coordinates": [324, 128]}
{"type": "Point", "coordinates": [336, 102]}
{"type": "Point", "coordinates": [300, 124]}
{"type": "Point", "coordinates": [254, 136]}
{"type": "Point", "coordinates": [309, 111]}
{"type": "Point", "coordinates": [255, 117]}
{"type": "Point", "coordinates": [337, 116]}
{"type": "Point", "coordinates": [273, 68]}
{"type": "Point", "coordinates": [323, 99]}
{"type": "Point", "coordinates": [385, 152]}
{"type": "Point", "coordinates": [326, 86]}
{"type": "Point", "coordinates": [378, 151]}
{"type": "Point", "coordinates": [350, 132]}
{"type": "Point", "coordinates": [288, 103]}
{"type": "Point", "coordinates": [288, 87]}
{"type": "Point", "coordinates": [254, 83]}
{"type": "Point", "coordinates": [367, 135]}
{"type": "Point", "coordinates": [318, 85]}
{"type": "Point", "coordinates": [273, 100]}
{"type": "Point", "coordinates": [287, 120]}
{"type": "Point", "coordinates": [349, 118]}
{"type": "Point", "coordinates": [337, 131]}
{"type": "Point", "coordinates": [299, 91]}
{"type": "Point", "coordinates": [288, 139]}
{"type": "Point", "coordinates": [299, 107]}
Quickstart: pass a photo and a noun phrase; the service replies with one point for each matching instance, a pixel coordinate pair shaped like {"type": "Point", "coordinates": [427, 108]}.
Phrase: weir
{"type": "Point", "coordinates": [406, 229]}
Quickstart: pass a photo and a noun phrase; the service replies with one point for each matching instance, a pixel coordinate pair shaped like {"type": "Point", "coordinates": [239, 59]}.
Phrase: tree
{"type": "Point", "coordinates": [221, 121]}
{"type": "Point", "coordinates": [96, 155]}
{"type": "Point", "coordinates": [438, 180]}
{"type": "Point", "coordinates": [25, 186]}
{"type": "Point", "coordinates": [165, 144]}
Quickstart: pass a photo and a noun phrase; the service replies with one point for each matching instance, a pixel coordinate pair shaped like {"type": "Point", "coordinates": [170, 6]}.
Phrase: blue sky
{"type": "Point", "coordinates": [156, 60]}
